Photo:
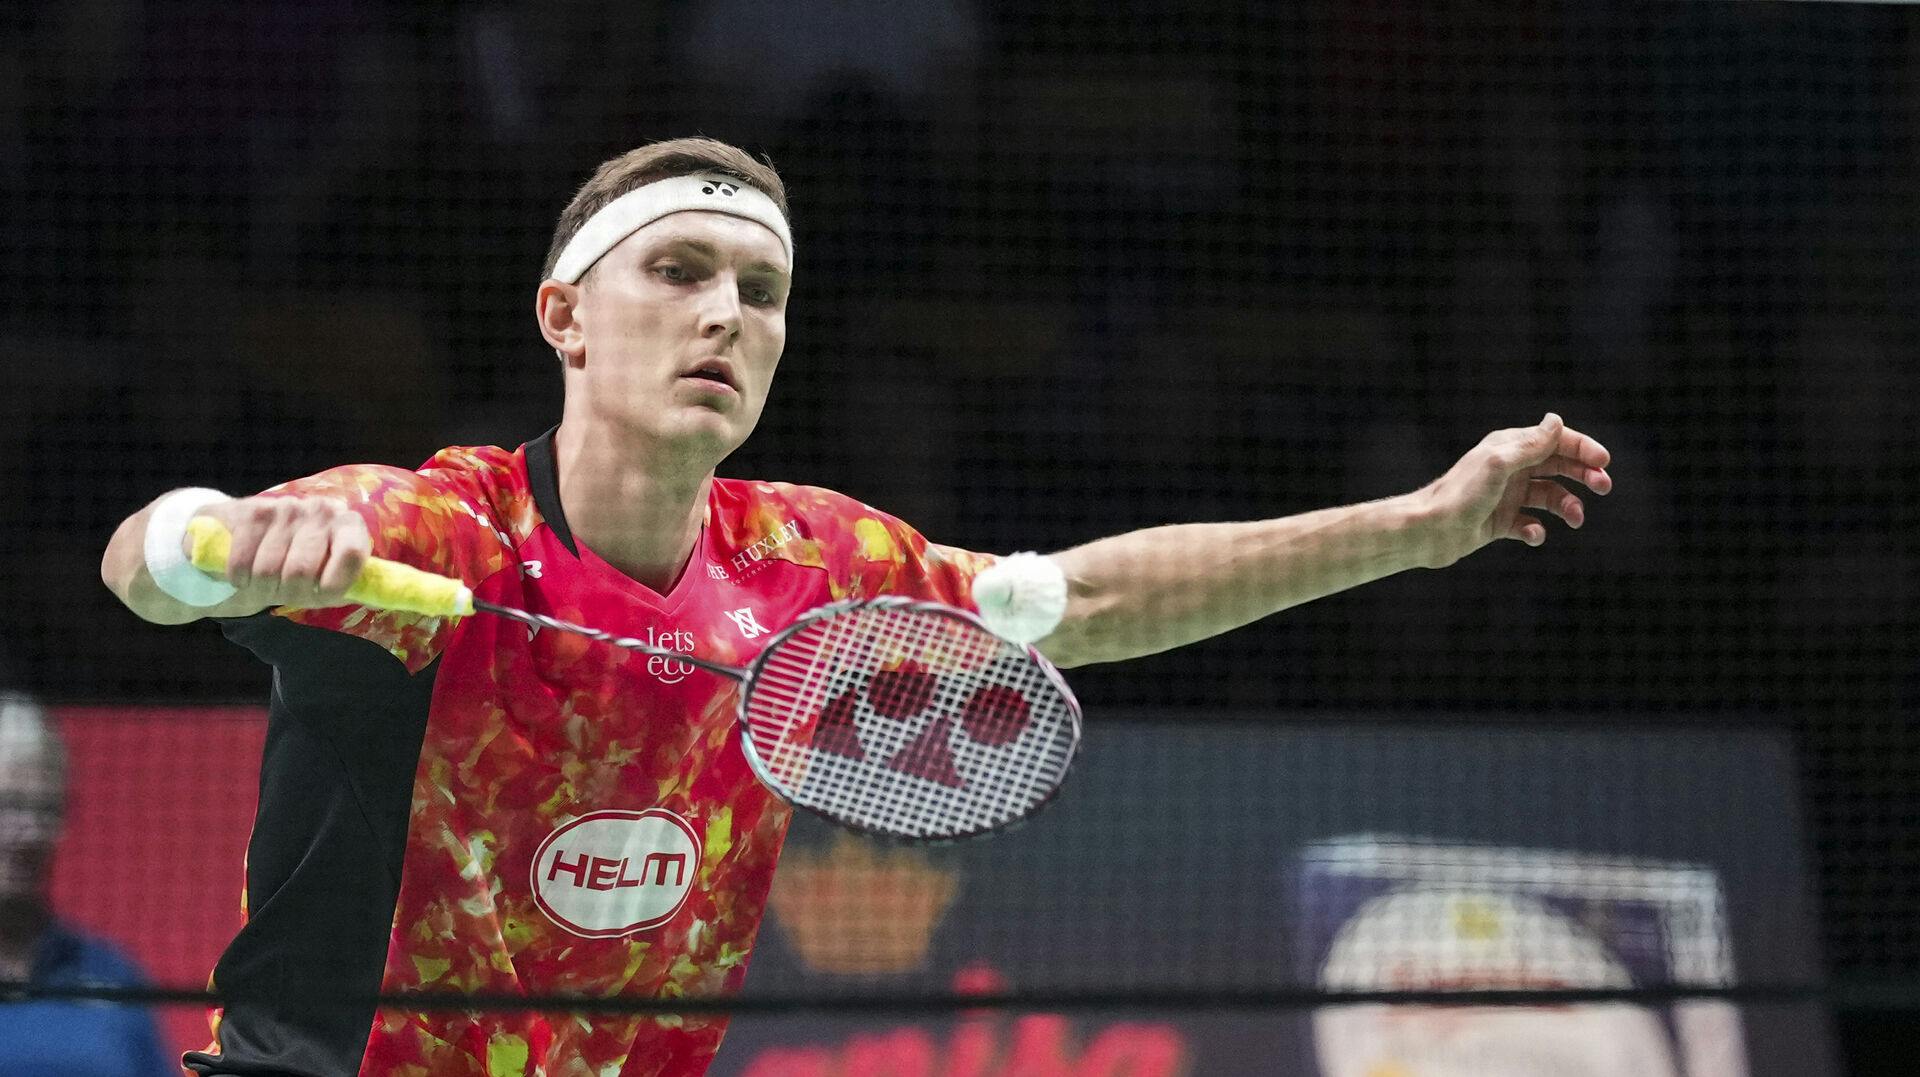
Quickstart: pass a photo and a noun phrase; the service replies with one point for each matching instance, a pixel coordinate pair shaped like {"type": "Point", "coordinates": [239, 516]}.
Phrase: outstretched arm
{"type": "Point", "coordinates": [1164, 587]}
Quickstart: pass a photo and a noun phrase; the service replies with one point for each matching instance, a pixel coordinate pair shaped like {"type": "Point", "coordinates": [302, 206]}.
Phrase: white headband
{"type": "Point", "coordinates": [642, 206]}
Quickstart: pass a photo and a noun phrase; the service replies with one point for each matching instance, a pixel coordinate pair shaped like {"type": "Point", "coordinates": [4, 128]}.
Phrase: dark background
{"type": "Point", "coordinates": [1060, 273]}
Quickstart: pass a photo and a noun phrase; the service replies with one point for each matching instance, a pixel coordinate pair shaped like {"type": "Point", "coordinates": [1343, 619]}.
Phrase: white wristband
{"type": "Point", "coordinates": [167, 563]}
{"type": "Point", "coordinates": [1022, 597]}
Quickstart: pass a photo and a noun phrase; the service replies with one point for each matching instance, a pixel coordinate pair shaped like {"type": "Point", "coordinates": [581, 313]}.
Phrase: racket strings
{"type": "Point", "coordinates": [910, 722]}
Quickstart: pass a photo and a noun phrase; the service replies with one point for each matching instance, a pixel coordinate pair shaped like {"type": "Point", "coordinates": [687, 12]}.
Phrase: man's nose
{"type": "Point", "coordinates": [720, 315]}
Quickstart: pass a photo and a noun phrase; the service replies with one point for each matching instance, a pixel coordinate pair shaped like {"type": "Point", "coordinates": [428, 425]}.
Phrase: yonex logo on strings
{"type": "Point", "coordinates": [993, 717]}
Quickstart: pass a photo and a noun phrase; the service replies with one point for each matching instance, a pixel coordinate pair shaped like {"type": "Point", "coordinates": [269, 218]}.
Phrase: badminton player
{"type": "Point", "coordinates": [463, 806]}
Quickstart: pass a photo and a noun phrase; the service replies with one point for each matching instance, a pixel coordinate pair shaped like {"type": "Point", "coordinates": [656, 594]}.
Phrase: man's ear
{"type": "Point", "coordinates": [556, 307]}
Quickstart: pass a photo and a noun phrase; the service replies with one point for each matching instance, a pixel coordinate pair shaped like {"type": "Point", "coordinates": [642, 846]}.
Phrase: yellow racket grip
{"type": "Point", "coordinates": [381, 585]}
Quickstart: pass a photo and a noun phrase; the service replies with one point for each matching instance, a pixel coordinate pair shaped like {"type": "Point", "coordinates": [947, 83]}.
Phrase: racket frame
{"type": "Point", "coordinates": [896, 602]}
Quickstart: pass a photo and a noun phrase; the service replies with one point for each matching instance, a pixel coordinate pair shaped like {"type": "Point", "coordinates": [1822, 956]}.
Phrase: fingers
{"type": "Point", "coordinates": [296, 551]}
{"type": "Point", "coordinates": [1508, 451]}
{"type": "Point", "coordinates": [1582, 459]}
{"type": "Point", "coordinates": [1546, 496]}
{"type": "Point", "coordinates": [248, 522]}
{"type": "Point", "coordinates": [1582, 448]}
{"type": "Point", "coordinates": [307, 550]}
{"type": "Point", "coordinates": [270, 554]}
{"type": "Point", "coordinates": [1566, 467]}
{"type": "Point", "coordinates": [1552, 497]}
{"type": "Point", "coordinates": [1538, 442]}
{"type": "Point", "coordinates": [347, 553]}
{"type": "Point", "coordinates": [1550, 447]}
{"type": "Point", "coordinates": [1528, 530]}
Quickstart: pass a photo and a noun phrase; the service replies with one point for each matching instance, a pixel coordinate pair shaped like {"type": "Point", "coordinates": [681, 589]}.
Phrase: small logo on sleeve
{"type": "Point", "coordinates": [612, 873]}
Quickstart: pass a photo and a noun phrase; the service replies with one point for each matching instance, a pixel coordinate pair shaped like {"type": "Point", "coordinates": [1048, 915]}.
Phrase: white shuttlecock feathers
{"type": "Point", "coordinates": [1022, 597]}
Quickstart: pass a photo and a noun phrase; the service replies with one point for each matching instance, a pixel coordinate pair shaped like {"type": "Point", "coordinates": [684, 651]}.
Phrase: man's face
{"type": "Point", "coordinates": [684, 322]}
{"type": "Point", "coordinates": [30, 810]}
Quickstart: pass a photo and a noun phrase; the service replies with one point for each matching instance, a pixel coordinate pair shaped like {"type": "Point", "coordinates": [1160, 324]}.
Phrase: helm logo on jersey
{"type": "Point", "coordinates": [612, 873]}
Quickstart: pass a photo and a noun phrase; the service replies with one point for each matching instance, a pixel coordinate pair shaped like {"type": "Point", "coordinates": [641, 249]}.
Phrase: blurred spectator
{"type": "Point", "coordinates": [71, 1039]}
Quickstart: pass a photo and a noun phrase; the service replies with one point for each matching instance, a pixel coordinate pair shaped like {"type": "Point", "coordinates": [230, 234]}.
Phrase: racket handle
{"type": "Point", "coordinates": [381, 585]}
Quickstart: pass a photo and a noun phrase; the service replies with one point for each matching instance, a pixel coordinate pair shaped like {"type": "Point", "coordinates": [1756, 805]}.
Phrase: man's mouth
{"type": "Point", "coordinates": [717, 373]}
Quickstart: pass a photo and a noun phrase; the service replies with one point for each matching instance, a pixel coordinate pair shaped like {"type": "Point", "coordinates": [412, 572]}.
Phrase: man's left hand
{"type": "Point", "coordinates": [1480, 498]}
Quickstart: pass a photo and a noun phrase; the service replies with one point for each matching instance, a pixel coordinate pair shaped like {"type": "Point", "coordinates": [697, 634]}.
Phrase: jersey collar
{"type": "Point", "coordinates": [543, 478]}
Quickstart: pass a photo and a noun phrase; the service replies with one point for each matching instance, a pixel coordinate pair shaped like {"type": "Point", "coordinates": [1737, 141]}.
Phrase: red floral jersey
{"type": "Point", "coordinates": [579, 818]}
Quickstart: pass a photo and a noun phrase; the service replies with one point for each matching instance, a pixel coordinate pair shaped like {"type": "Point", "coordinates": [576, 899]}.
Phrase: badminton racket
{"type": "Point", "coordinates": [890, 716]}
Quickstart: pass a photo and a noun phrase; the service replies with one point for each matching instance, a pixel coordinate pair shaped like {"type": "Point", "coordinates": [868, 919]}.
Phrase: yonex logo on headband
{"type": "Point", "coordinates": [642, 206]}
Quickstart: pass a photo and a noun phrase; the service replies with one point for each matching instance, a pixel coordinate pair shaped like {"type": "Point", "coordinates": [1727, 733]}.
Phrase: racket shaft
{"type": "Point", "coordinates": [541, 620]}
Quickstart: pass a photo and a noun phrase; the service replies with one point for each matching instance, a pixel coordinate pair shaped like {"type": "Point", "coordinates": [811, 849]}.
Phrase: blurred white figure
{"type": "Point", "coordinates": [1454, 940]}
{"type": "Point", "coordinates": [73, 1039]}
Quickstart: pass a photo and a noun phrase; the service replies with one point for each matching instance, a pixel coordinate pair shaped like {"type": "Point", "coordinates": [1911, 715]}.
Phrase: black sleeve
{"type": "Point", "coordinates": [344, 728]}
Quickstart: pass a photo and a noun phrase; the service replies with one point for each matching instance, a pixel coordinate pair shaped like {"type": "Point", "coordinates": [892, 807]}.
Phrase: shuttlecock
{"type": "Point", "coordinates": [1022, 597]}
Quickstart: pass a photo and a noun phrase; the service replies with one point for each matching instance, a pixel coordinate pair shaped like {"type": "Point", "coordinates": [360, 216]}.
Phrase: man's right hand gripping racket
{"type": "Point", "coordinates": [910, 720]}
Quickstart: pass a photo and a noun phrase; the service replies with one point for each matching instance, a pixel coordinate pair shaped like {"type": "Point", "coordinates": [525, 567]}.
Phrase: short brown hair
{"type": "Point", "coordinates": [658, 161]}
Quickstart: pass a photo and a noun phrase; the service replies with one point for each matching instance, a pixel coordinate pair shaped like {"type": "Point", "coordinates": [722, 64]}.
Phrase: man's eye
{"type": "Point", "coordinates": [760, 295]}
{"type": "Point", "coordinates": [671, 271]}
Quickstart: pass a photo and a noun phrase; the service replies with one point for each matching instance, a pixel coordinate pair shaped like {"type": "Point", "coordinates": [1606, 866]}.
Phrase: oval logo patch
{"type": "Point", "coordinates": [612, 873]}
